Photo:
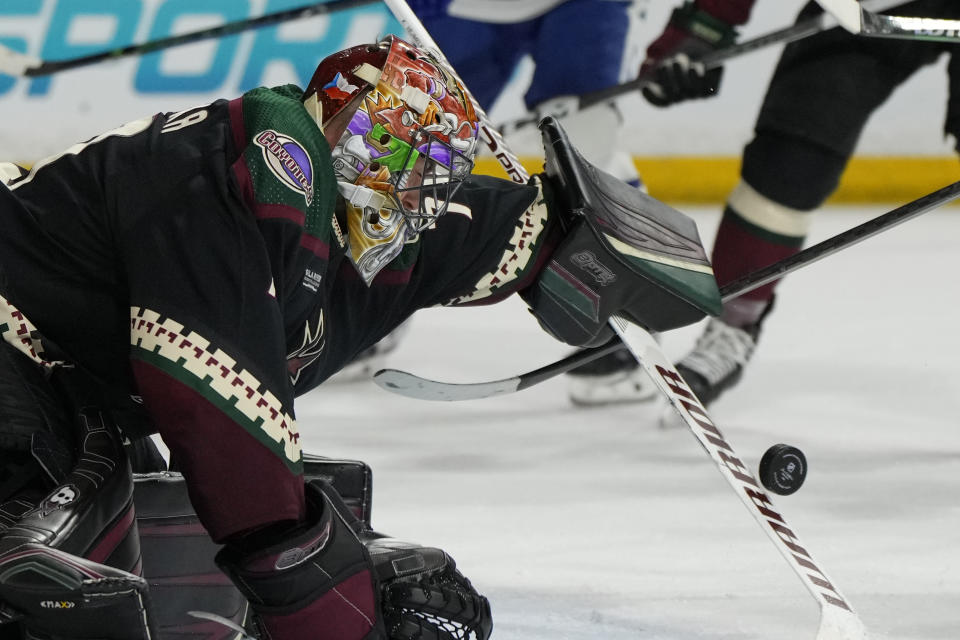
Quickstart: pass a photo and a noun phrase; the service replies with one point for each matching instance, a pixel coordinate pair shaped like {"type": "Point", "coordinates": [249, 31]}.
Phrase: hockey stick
{"type": "Point", "coordinates": [414, 386]}
{"type": "Point", "coordinates": [857, 19]}
{"type": "Point", "coordinates": [786, 35]}
{"type": "Point", "coordinates": [710, 61]}
{"type": "Point", "coordinates": [14, 63]}
{"type": "Point", "coordinates": [837, 619]}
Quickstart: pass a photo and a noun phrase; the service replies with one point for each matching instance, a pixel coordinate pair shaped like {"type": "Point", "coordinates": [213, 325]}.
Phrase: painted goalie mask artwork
{"type": "Point", "coordinates": [406, 149]}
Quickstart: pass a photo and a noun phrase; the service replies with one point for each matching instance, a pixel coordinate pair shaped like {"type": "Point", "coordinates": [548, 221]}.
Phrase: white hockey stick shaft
{"type": "Point", "coordinates": [837, 619]}
{"type": "Point", "coordinates": [421, 38]}
{"type": "Point", "coordinates": [858, 19]}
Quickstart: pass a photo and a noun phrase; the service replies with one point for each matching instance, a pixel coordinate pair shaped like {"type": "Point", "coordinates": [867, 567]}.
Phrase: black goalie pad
{"type": "Point", "coordinates": [178, 562]}
{"type": "Point", "coordinates": [425, 597]}
{"type": "Point", "coordinates": [178, 554]}
{"type": "Point", "coordinates": [352, 479]}
{"type": "Point", "coordinates": [623, 253]}
{"type": "Point", "coordinates": [71, 560]}
{"type": "Point", "coordinates": [61, 595]}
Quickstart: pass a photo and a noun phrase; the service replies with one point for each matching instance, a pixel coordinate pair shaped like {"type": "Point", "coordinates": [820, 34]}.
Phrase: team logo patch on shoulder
{"type": "Point", "coordinates": [288, 160]}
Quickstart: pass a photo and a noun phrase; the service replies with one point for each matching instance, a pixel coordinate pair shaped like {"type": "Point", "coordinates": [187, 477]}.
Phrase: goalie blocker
{"type": "Point", "coordinates": [623, 253]}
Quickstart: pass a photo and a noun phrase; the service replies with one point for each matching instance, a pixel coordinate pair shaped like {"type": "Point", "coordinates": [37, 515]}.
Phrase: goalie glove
{"type": "Point", "coordinates": [424, 596]}
{"type": "Point", "coordinates": [672, 65]}
{"type": "Point", "coordinates": [622, 253]}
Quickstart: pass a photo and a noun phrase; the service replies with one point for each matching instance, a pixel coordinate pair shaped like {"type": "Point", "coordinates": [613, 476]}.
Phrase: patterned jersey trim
{"type": "Point", "coordinates": [17, 330]}
{"type": "Point", "coordinates": [519, 255]}
{"type": "Point", "coordinates": [190, 359]}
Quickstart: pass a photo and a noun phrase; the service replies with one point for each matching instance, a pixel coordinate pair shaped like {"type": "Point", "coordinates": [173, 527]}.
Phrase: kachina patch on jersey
{"type": "Point", "coordinates": [309, 350]}
{"type": "Point", "coordinates": [288, 161]}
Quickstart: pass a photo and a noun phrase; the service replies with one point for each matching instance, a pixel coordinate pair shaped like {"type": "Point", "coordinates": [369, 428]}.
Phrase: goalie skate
{"type": "Point", "coordinates": [616, 378]}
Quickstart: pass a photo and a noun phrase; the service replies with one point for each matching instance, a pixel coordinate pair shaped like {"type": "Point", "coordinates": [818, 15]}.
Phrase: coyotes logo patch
{"type": "Point", "coordinates": [288, 160]}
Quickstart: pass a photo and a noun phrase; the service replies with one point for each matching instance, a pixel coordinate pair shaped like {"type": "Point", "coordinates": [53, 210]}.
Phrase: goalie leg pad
{"type": "Point", "coordinates": [62, 595]}
{"type": "Point", "coordinates": [178, 560]}
{"type": "Point", "coordinates": [351, 479]}
{"type": "Point", "coordinates": [70, 556]}
{"type": "Point", "coordinates": [178, 553]}
{"type": "Point", "coordinates": [315, 575]}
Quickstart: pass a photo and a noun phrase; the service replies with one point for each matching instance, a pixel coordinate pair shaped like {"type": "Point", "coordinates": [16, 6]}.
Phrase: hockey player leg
{"type": "Point", "coordinates": [613, 379]}
{"type": "Point", "coordinates": [765, 220]}
{"type": "Point", "coordinates": [824, 89]}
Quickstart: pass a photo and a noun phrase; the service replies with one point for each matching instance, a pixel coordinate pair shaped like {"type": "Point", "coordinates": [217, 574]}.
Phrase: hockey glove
{"type": "Point", "coordinates": [622, 253]}
{"type": "Point", "coordinates": [673, 60]}
{"type": "Point", "coordinates": [425, 596]}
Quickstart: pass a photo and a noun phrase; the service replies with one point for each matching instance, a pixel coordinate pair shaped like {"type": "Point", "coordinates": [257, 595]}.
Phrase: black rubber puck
{"type": "Point", "coordinates": [783, 469]}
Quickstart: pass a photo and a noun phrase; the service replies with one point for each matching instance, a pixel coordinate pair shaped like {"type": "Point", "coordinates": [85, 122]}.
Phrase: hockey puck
{"type": "Point", "coordinates": [783, 469]}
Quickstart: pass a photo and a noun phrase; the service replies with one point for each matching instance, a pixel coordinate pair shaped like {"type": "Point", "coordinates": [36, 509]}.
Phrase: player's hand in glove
{"type": "Point", "coordinates": [673, 63]}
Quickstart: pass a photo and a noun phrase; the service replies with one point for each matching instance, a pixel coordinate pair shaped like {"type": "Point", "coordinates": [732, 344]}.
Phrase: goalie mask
{"type": "Point", "coordinates": [409, 140]}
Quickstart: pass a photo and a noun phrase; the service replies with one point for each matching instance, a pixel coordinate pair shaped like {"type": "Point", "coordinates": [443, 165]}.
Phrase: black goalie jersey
{"type": "Point", "coordinates": [196, 259]}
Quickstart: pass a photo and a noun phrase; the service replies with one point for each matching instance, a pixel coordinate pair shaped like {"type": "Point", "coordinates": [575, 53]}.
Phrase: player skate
{"type": "Point", "coordinates": [715, 364]}
{"type": "Point", "coordinates": [721, 353]}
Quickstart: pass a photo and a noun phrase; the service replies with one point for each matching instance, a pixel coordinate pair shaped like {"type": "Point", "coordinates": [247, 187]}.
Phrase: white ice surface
{"type": "Point", "coordinates": [583, 524]}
